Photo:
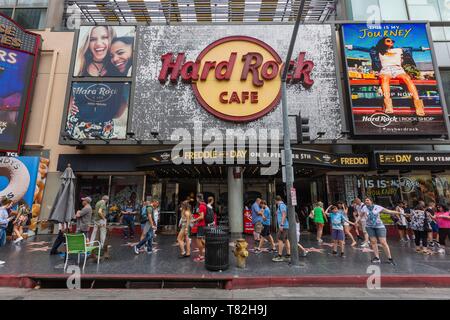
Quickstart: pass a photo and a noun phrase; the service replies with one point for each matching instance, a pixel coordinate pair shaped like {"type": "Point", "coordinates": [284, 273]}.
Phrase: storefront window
{"type": "Point", "coordinates": [30, 14]}
{"type": "Point", "coordinates": [424, 10]}
{"type": "Point", "coordinates": [7, 12]}
{"type": "Point", "coordinates": [417, 188]}
{"type": "Point", "coordinates": [31, 18]}
{"type": "Point", "coordinates": [389, 9]}
{"type": "Point", "coordinates": [336, 189]}
{"type": "Point", "coordinates": [384, 190]}
{"type": "Point", "coordinates": [32, 3]}
{"type": "Point", "coordinates": [92, 186]}
{"type": "Point", "coordinates": [124, 188]}
{"type": "Point", "coordinates": [445, 75]}
{"type": "Point", "coordinates": [442, 186]}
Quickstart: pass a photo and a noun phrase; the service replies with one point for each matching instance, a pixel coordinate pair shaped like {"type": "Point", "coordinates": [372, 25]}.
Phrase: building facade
{"type": "Point", "coordinates": [178, 74]}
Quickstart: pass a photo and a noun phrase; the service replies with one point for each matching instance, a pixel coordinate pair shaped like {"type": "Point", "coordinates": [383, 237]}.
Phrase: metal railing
{"type": "Point", "coordinates": [200, 11]}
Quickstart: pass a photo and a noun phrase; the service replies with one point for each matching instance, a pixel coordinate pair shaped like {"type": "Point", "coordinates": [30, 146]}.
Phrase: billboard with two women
{"type": "Point", "coordinates": [105, 51]}
{"type": "Point", "coordinates": [99, 109]}
{"type": "Point", "coordinates": [393, 85]}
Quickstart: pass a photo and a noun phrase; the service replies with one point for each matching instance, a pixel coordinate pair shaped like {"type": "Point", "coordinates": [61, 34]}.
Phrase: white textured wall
{"type": "Point", "coordinates": [175, 106]}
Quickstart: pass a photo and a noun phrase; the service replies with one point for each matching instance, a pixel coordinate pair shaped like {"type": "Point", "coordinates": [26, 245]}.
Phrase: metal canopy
{"type": "Point", "coordinates": [201, 11]}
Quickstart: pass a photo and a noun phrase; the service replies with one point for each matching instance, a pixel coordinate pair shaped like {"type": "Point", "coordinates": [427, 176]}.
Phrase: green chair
{"type": "Point", "coordinates": [76, 244]}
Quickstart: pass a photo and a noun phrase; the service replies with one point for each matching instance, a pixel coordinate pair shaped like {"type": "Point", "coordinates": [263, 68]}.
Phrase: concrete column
{"type": "Point", "coordinates": [235, 202]}
{"type": "Point", "coordinates": [55, 14]}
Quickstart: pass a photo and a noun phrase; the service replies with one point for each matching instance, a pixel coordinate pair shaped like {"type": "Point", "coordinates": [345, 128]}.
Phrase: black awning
{"type": "Point", "coordinates": [98, 163]}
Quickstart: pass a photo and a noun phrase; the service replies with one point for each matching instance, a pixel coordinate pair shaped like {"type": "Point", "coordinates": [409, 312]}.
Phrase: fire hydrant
{"type": "Point", "coordinates": [241, 253]}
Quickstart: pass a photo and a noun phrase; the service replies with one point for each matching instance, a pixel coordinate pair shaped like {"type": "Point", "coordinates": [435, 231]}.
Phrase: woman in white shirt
{"type": "Point", "coordinates": [376, 229]}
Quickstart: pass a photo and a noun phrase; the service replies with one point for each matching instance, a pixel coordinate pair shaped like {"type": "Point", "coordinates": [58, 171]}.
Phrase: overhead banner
{"type": "Point", "coordinates": [18, 61]}
{"type": "Point", "coordinates": [403, 159]}
{"type": "Point", "coordinates": [392, 80]}
{"type": "Point", "coordinates": [246, 156]}
{"type": "Point", "coordinates": [98, 110]}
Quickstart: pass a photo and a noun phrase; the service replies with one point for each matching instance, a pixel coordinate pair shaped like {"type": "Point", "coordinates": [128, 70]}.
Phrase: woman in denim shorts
{"type": "Point", "coordinates": [376, 229]}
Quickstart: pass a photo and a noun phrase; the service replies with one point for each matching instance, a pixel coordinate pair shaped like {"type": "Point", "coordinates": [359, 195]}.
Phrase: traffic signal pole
{"type": "Point", "coordinates": [288, 165]}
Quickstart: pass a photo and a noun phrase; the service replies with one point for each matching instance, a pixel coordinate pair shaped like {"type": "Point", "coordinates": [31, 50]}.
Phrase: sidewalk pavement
{"type": "Point", "coordinates": [32, 257]}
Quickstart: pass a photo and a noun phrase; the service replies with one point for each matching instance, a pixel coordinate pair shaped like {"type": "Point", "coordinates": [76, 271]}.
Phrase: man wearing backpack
{"type": "Point", "coordinates": [199, 221]}
{"type": "Point", "coordinates": [147, 232]}
{"type": "Point", "coordinates": [144, 218]}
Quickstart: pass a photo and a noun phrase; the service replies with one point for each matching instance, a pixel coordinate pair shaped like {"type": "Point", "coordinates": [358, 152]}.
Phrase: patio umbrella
{"type": "Point", "coordinates": [63, 209]}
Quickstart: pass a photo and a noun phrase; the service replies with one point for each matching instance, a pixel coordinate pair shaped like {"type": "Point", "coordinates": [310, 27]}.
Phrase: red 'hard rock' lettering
{"type": "Point", "coordinates": [254, 67]}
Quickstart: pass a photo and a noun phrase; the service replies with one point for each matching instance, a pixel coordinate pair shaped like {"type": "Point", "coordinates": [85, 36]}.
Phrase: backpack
{"type": "Point", "coordinates": [209, 218]}
{"type": "Point", "coordinates": [144, 214]}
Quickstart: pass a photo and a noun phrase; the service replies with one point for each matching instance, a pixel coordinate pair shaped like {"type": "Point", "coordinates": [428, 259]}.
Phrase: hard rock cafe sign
{"type": "Point", "coordinates": [236, 78]}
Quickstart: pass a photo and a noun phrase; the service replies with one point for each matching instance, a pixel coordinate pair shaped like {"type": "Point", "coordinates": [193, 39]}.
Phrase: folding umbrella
{"type": "Point", "coordinates": [63, 209]}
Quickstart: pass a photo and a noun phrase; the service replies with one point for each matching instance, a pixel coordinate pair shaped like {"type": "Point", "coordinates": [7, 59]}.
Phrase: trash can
{"type": "Point", "coordinates": [224, 228]}
{"type": "Point", "coordinates": [216, 249]}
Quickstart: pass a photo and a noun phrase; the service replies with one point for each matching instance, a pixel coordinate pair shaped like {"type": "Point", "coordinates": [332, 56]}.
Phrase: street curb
{"type": "Point", "coordinates": [30, 281]}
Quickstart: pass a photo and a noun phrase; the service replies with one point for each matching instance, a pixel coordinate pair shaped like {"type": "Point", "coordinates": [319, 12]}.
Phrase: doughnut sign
{"type": "Point", "coordinates": [18, 64]}
{"type": "Point", "coordinates": [24, 178]}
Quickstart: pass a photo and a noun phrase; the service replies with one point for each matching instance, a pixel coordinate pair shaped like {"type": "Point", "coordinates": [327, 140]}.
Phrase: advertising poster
{"type": "Point", "coordinates": [98, 110]}
{"type": "Point", "coordinates": [15, 68]}
{"type": "Point", "coordinates": [24, 178]}
{"type": "Point", "coordinates": [105, 51]}
{"type": "Point", "coordinates": [248, 224]}
{"type": "Point", "coordinates": [392, 81]}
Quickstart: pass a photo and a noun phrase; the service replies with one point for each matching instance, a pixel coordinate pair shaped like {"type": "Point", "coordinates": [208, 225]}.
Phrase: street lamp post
{"type": "Point", "coordinates": [287, 143]}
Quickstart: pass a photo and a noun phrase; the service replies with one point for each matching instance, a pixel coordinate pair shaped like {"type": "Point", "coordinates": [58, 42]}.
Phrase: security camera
{"type": "Point", "coordinates": [155, 133]}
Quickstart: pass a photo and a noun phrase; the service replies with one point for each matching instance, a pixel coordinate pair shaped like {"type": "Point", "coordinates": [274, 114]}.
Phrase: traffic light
{"type": "Point", "coordinates": [303, 130]}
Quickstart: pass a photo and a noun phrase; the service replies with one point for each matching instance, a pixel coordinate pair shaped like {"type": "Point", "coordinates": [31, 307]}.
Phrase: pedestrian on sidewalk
{"type": "Point", "coordinates": [409, 231]}
{"type": "Point", "coordinates": [4, 219]}
{"type": "Point", "coordinates": [144, 218]}
{"type": "Point", "coordinates": [319, 216]}
{"type": "Point", "coordinates": [148, 232]}
{"type": "Point", "coordinates": [297, 226]}
{"type": "Point", "coordinates": [60, 239]}
{"type": "Point", "coordinates": [100, 212]}
{"type": "Point", "coordinates": [265, 233]}
{"type": "Point", "coordinates": [199, 223]}
{"type": "Point", "coordinates": [443, 220]}
{"type": "Point", "coordinates": [257, 214]}
{"type": "Point", "coordinates": [283, 231]}
{"type": "Point", "coordinates": [184, 241]}
{"type": "Point", "coordinates": [433, 233]}
{"type": "Point", "coordinates": [20, 221]}
{"type": "Point", "coordinates": [376, 229]}
{"type": "Point", "coordinates": [156, 217]}
{"type": "Point", "coordinates": [84, 216]}
{"type": "Point", "coordinates": [401, 223]}
{"type": "Point", "coordinates": [361, 221]}
{"type": "Point", "coordinates": [420, 222]}
{"type": "Point", "coordinates": [129, 212]}
{"type": "Point", "coordinates": [338, 221]}
{"type": "Point", "coordinates": [211, 217]}
{"type": "Point", "coordinates": [343, 209]}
